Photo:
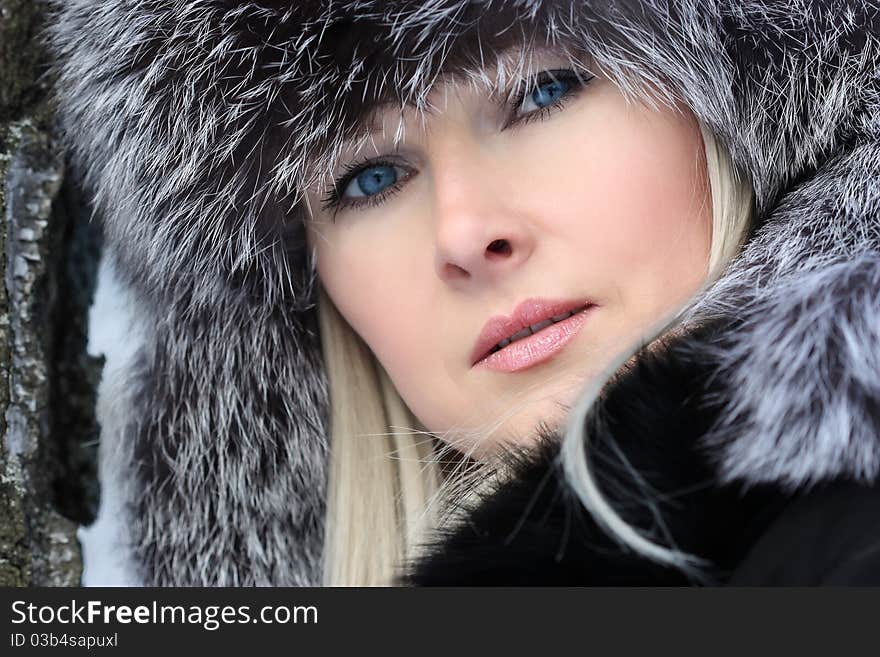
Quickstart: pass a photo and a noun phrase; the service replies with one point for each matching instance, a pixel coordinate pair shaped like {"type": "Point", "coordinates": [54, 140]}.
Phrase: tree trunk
{"type": "Point", "coordinates": [47, 381]}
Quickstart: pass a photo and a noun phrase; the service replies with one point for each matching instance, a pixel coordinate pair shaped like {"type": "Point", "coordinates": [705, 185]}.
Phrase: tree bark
{"type": "Point", "coordinates": [48, 482]}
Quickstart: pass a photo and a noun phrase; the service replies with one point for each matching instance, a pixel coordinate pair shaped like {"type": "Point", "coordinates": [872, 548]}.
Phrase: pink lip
{"type": "Point", "coordinates": [533, 349]}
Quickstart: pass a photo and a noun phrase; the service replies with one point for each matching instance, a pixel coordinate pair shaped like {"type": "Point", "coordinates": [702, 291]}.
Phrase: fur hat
{"type": "Point", "coordinates": [198, 123]}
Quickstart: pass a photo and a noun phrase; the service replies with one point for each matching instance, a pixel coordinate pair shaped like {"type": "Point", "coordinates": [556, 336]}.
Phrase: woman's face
{"type": "Point", "coordinates": [572, 195]}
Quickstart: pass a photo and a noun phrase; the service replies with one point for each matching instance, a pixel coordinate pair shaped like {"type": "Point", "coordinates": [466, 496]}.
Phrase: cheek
{"type": "Point", "coordinates": [365, 268]}
{"type": "Point", "coordinates": [384, 301]}
{"type": "Point", "coordinates": [633, 199]}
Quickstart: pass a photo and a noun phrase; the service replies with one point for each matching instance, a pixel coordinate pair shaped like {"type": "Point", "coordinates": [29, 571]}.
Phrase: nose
{"type": "Point", "coordinates": [482, 230]}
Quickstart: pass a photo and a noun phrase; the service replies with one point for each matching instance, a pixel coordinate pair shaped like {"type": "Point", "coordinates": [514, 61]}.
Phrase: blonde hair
{"type": "Point", "coordinates": [384, 478]}
{"type": "Point", "coordinates": [380, 482]}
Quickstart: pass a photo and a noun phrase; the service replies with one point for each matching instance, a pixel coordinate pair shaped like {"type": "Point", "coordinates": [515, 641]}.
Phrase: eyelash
{"type": "Point", "coordinates": [335, 201]}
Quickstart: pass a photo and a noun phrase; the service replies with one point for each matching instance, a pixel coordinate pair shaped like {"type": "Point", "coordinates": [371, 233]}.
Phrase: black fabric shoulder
{"type": "Point", "coordinates": [830, 536]}
{"type": "Point", "coordinates": [531, 532]}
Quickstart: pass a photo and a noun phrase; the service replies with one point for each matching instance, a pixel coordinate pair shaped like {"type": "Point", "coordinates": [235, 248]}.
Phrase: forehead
{"type": "Point", "coordinates": [496, 81]}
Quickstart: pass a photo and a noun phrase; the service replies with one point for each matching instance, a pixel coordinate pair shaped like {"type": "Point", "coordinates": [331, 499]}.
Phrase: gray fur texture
{"type": "Point", "coordinates": [199, 122]}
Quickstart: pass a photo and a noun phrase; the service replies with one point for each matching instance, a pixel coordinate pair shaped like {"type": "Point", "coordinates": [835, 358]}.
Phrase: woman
{"type": "Point", "coordinates": [220, 140]}
{"type": "Point", "coordinates": [452, 226]}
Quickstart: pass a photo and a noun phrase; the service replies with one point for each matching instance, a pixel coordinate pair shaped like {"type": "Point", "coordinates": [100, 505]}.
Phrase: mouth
{"type": "Point", "coordinates": [533, 333]}
{"type": "Point", "coordinates": [534, 328]}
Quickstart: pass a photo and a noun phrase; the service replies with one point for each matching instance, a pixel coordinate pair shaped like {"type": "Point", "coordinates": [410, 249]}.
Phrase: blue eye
{"type": "Point", "coordinates": [371, 181]}
{"type": "Point", "coordinates": [366, 183]}
{"type": "Point", "coordinates": [549, 90]}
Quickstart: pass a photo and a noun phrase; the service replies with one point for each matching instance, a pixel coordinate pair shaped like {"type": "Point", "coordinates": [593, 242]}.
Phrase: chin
{"type": "Point", "coordinates": [522, 435]}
